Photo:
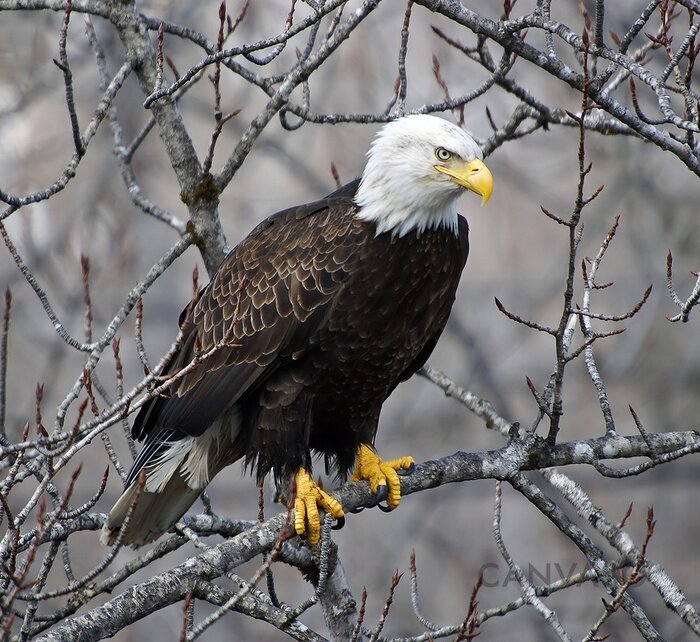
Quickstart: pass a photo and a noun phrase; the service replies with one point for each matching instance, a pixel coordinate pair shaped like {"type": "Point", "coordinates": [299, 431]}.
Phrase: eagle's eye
{"type": "Point", "coordinates": [442, 154]}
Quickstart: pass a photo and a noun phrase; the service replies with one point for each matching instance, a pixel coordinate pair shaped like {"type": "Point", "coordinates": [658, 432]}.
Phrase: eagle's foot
{"type": "Point", "coordinates": [383, 476]}
{"type": "Point", "coordinates": [309, 497]}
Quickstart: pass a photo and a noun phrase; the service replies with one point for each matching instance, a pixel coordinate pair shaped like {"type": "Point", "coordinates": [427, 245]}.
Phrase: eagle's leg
{"type": "Point", "coordinates": [308, 498]}
{"type": "Point", "coordinates": [380, 473]}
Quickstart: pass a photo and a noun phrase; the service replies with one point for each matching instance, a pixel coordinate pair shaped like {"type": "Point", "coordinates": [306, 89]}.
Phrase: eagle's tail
{"type": "Point", "coordinates": [153, 514]}
{"type": "Point", "coordinates": [176, 469]}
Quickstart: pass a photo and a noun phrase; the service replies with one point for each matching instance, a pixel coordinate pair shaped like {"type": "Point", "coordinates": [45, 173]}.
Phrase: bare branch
{"type": "Point", "coordinates": [526, 587]}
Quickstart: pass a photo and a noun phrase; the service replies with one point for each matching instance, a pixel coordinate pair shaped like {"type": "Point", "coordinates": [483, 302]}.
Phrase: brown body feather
{"type": "Point", "coordinates": [322, 319]}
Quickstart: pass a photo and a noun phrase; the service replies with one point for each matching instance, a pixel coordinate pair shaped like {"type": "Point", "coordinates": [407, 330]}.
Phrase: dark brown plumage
{"type": "Point", "coordinates": [314, 319]}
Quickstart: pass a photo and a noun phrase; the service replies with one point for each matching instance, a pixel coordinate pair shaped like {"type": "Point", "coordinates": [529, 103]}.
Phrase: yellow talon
{"type": "Point", "coordinates": [378, 473]}
{"type": "Point", "coordinates": [308, 498]}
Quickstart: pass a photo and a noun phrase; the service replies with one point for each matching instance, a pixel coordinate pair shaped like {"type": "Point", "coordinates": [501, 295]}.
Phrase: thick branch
{"type": "Point", "coordinates": [202, 200]}
{"type": "Point", "coordinates": [170, 587]}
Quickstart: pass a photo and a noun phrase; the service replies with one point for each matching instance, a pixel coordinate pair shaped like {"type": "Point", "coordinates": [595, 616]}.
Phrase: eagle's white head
{"type": "Point", "coordinates": [417, 167]}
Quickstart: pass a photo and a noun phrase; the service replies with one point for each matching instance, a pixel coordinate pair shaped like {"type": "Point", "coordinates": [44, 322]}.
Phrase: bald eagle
{"type": "Point", "coordinates": [310, 323]}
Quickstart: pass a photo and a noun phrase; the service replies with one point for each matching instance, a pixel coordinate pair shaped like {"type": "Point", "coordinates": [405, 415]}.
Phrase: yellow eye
{"type": "Point", "coordinates": [442, 154]}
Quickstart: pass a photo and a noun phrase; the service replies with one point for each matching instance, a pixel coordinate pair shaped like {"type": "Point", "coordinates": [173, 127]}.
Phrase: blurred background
{"type": "Point", "coordinates": [517, 255]}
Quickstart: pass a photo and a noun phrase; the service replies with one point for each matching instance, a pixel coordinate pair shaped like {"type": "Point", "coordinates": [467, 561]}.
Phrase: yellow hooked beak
{"type": "Point", "coordinates": [474, 176]}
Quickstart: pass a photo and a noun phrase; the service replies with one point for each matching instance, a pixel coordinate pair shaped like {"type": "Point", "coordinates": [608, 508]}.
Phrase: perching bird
{"type": "Point", "coordinates": [310, 323]}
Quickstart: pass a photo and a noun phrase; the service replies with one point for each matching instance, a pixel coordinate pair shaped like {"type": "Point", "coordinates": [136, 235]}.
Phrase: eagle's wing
{"type": "Point", "coordinates": [268, 297]}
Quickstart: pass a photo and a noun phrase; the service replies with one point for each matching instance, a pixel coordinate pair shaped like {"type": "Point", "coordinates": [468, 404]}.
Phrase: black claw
{"type": "Point", "coordinates": [339, 523]}
{"type": "Point", "coordinates": [359, 509]}
{"type": "Point", "coordinates": [406, 471]}
{"type": "Point", "coordinates": [382, 493]}
{"type": "Point", "coordinates": [385, 509]}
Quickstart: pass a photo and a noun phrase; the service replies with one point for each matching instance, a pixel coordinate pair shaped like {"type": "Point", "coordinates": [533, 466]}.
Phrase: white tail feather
{"type": "Point", "coordinates": [154, 513]}
{"type": "Point", "coordinates": [161, 468]}
{"type": "Point", "coordinates": [197, 470]}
